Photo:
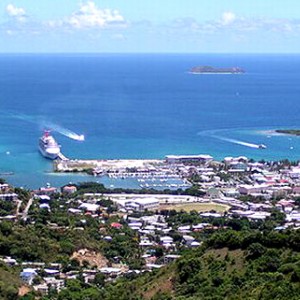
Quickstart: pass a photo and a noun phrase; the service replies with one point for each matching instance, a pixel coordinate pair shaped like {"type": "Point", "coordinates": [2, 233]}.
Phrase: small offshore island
{"type": "Point", "coordinates": [289, 131]}
{"type": "Point", "coordinates": [213, 70]}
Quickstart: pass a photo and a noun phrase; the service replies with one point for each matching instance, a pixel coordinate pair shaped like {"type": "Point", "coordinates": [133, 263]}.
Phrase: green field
{"type": "Point", "coordinates": [201, 207]}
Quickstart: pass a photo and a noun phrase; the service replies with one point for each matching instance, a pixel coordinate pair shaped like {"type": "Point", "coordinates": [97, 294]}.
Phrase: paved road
{"type": "Point", "coordinates": [25, 212]}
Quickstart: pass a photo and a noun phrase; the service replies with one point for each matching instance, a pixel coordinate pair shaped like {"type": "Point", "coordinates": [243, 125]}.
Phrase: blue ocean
{"type": "Point", "coordinates": [144, 106]}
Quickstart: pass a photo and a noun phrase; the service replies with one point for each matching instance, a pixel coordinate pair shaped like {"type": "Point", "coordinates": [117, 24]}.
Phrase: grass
{"type": "Point", "coordinates": [200, 207]}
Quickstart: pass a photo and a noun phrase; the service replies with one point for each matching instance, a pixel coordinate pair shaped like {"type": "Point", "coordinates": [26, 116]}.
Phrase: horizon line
{"type": "Point", "coordinates": [153, 53]}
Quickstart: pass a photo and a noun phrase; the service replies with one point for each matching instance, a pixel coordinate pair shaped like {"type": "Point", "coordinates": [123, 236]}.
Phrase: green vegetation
{"type": "Point", "coordinates": [9, 282]}
{"type": "Point", "coordinates": [6, 208]}
{"type": "Point", "coordinates": [94, 187]}
{"type": "Point", "coordinates": [237, 259]}
{"type": "Point", "coordinates": [230, 265]}
{"type": "Point", "coordinates": [55, 235]}
{"type": "Point", "coordinates": [199, 207]}
{"type": "Point", "coordinates": [288, 131]}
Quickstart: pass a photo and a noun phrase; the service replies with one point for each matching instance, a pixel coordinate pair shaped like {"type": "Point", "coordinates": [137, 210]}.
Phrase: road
{"type": "Point", "coordinates": [25, 212]}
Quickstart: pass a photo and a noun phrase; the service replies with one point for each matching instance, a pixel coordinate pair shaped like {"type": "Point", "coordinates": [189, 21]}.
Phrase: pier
{"type": "Point", "coordinates": [62, 157]}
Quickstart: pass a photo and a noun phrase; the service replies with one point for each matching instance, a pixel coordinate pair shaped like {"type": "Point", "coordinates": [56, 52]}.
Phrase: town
{"type": "Point", "coordinates": [95, 234]}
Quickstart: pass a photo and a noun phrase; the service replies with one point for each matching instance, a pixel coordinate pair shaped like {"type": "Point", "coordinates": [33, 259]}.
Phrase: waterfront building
{"type": "Point", "coordinates": [175, 159]}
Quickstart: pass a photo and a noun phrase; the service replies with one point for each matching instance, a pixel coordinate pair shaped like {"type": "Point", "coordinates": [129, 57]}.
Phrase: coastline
{"type": "Point", "coordinates": [270, 132]}
{"type": "Point", "coordinates": [214, 73]}
{"type": "Point", "coordinates": [279, 132]}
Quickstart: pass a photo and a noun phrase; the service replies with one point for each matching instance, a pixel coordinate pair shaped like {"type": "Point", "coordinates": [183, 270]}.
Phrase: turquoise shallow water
{"type": "Point", "coordinates": [144, 106]}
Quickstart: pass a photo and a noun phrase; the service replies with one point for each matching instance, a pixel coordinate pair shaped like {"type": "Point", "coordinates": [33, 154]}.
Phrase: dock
{"type": "Point", "coordinates": [62, 157]}
{"type": "Point", "coordinates": [114, 166]}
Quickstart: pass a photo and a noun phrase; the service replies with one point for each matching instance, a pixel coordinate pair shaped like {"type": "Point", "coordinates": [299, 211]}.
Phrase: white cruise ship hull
{"type": "Point", "coordinates": [49, 154]}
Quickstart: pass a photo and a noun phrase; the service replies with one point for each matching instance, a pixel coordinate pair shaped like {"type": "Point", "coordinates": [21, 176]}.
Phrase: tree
{"type": "Point", "coordinates": [99, 280]}
{"type": "Point", "coordinates": [255, 250]}
{"type": "Point", "coordinates": [6, 228]}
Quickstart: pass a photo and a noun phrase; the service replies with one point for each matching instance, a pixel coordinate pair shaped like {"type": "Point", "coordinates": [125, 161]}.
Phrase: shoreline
{"type": "Point", "coordinates": [294, 132]}
{"type": "Point", "coordinates": [214, 73]}
{"type": "Point", "coordinates": [269, 132]}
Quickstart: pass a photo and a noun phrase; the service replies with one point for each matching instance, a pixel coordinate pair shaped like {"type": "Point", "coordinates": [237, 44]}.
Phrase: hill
{"type": "Point", "coordinates": [231, 265]}
{"type": "Point", "coordinates": [10, 283]}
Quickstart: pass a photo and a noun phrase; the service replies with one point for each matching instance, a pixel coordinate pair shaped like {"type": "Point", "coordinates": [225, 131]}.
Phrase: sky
{"type": "Point", "coordinates": [150, 26]}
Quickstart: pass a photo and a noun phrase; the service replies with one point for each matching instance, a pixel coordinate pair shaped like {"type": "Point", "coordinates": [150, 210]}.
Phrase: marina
{"type": "Point", "coordinates": [157, 174]}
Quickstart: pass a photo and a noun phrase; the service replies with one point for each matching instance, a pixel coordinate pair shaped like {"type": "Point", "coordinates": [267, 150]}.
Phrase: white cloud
{"type": "Point", "coordinates": [118, 36]}
{"type": "Point", "coordinates": [229, 22]}
{"type": "Point", "coordinates": [90, 16]}
{"type": "Point", "coordinates": [228, 17]}
{"type": "Point", "coordinates": [9, 32]}
{"type": "Point", "coordinates": [15, 12]}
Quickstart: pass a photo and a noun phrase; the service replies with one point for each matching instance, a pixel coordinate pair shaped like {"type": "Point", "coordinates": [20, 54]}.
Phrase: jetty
{"type": "Point", "coordinates": [62, 157]}
{"type": "Point", "coordinates": [63, 164]}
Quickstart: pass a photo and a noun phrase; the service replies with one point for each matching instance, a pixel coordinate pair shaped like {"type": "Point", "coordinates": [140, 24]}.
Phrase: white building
{"type": "Point", "coordinates": [256, 188]}
{"type": "Point", "coordinates": [142, 204]}
{"type": "Point", "coordinates": [175, 159]}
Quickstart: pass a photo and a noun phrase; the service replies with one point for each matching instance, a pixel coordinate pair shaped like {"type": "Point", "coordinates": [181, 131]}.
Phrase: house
{"type": "Point", "coordinates": [44, 198]}
{"type": "Point", "coordinates": [9, 261]}
{"type": "Point", "coordinates": [74, 211]}
{"type": "Point", "coordinates": [184, 229]}
{"type": "Point", "coordinates": [4, 187]}
{"type": "Point", "coordinates": [41, 288]}
{"type": "Point", "coordinates": [69, 189]}
{"type": "Point", "coordinates": [45, 206]}
{"type": "Point", "coordinates": [294, 173]}
{"type": "Point", "coordinates": [9, 197]}
{"type": "Point", "coordinates": [285, 205]}
{"type": "Point", "coordinates": [27, 275]}
{"type": "Point", "coordinates": [293, 216]}
{"type": "Point", "coordinates": [47, 191]}
{"type": "Point", "coordinates": [153, 266]}
{"type": "Point", "coordinates": [188, 239]}
{"type": "Point", "coordinates": [194, 244]}
{"type": "Point", "coordinates": [116, 225]}
{"type": "Point", "coordinates": [170, 258]}
{"type": "Point", "coordinates": [248, 189]}
{"type": "Point", "coordinates": [90, 207]}
{"type": "Point", "coordinates": [135, 225]}
{"type": "Point", "coordinates": [54, 283]}
{"type": "Point", "coordinates": [146, 243]}
{"type": "Point", "coordinates": [232, 160]}
{"type": "Point", "coordinates": [296, 190]}
{"type": "Point", "coordinates": [208, 214]}
{"type": "Point", "coordinates": [259, 215]}
{"type": "Point", "coordinates": [166, 241]}
{"type": "Point", "coordinates": [111, 272]}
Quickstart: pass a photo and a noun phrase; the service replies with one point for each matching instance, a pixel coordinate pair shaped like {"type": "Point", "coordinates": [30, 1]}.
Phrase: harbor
{"type": "Point", "coordinates": [148, 173]}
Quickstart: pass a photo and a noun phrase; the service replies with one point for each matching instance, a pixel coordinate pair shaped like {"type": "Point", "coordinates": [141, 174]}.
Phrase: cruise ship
{"type": "Point", "coordinates": [48, 146]}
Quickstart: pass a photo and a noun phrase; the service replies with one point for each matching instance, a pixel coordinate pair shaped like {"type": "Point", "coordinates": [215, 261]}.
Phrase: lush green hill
{"type": "Point", "coordinates": [232, 265]}
{"type": "Point", "coordinates": [9, 282]}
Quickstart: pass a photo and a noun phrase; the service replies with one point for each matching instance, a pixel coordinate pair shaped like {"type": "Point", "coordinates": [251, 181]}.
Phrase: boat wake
{"type": "Point", "coordinates": [242, 143]}
{"type": "Point", "coordinates": [214, 134]}
{"type": "Point", "coordinates": [64, 131]}
{"type": "Point", "coordinates": [46, 124]}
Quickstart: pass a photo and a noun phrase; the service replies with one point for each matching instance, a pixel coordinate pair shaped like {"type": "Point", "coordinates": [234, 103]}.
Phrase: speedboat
{"type": "Point", "coordinates": [262, 146]}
